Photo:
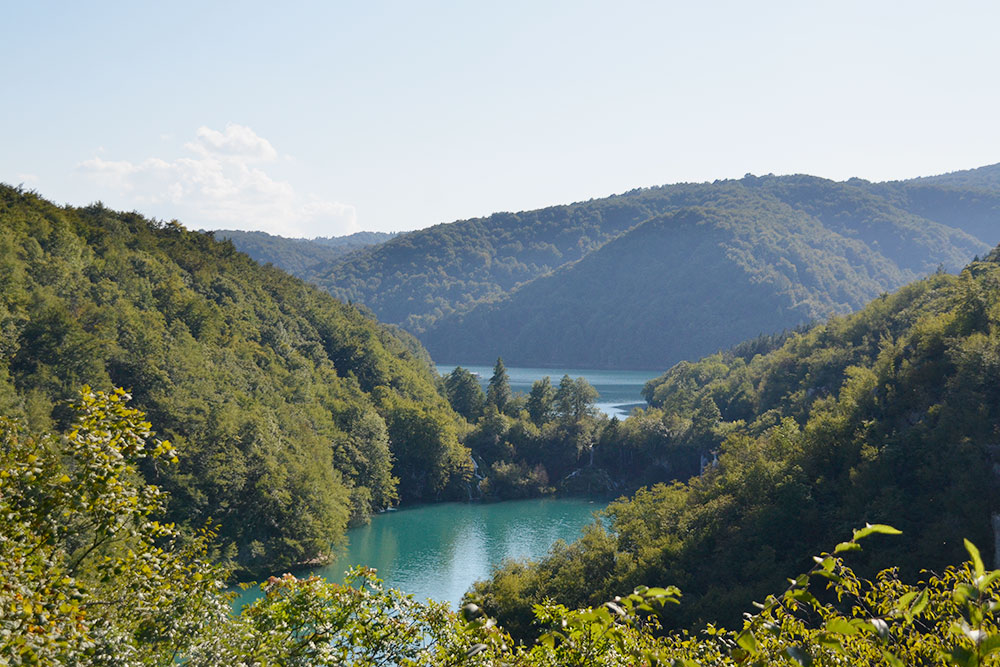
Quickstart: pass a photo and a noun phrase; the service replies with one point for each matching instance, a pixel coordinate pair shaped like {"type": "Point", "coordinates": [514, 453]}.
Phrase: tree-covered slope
{"type": "Point", "coordinates": [89, 578]}
{"type": "Point", "coordinates": [772, 253]}
{"type": "Point", "coordinates": [981, 178]}
{"type": "Point", "coordinates": [677, 287]}
{"type": "Point", "coordinates": [890, 415]}
{"type": "Point", "coordinates": [857, 210]}
{"type": "Point", "coordinates": [438, 281]}
{"type": "Point", "coordinates": [974, 209]}
{"type": "Point", "coordinates": [294, 413]}
{"type": "Point", "coordinates": [418, 277]}
{"type": "Point", "coordinates": [300, 257]}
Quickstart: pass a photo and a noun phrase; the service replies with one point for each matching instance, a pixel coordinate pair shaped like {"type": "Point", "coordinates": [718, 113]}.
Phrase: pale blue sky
{"type": "Point", "coordinates": [321, 118]}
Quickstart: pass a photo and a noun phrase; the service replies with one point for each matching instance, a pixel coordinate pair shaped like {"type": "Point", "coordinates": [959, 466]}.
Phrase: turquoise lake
{"type": "Point", "coordinates": [438, 551]}
{"type": "Point", "coordinates": [620, 390]}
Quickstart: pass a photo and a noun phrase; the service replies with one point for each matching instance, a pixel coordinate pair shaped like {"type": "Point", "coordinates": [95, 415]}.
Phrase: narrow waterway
{"type": "Point", "coordinates": [438, 551]}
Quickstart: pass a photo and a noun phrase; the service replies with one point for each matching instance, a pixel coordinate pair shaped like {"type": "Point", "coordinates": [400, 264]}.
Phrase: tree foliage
{"type": "Point", "coordinates": [889, 415]}
{"type": "Point", "coordinates": [299, 257]}
{"type": "Point", "coordinates": [87, 576]}
{"type": "Point", "coordinates": [652, 276]}
{"type": "Point", "coordinates": [498, 393]}
{"type": "Point", "coordinates": [297, 414]}
{"type": "Point", "coordinates": [464, 393]}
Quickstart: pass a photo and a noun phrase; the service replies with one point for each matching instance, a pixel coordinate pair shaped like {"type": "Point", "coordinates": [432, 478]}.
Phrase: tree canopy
{"type": "Point", "coordinates": [888, 415]}
{"type": "Point", "coordinates": [88, 577]}
{"type": "Point", "coordinates": [498, 392]}
{"type": "Point", "coordinates": [296, 413]}
{"type": "Point", "coordinates": [651, 276]}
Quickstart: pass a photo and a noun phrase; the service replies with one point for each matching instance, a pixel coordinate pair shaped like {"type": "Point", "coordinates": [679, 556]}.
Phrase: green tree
{"type": "Point", "coordinates": [498, 392]}
{"type": "Point", "coordinates": [267, 384]}
{"type": "Point", "coordinates": [87, 575]}
{"type": "Point", "coordinates": [464, 393]}
{"type": "Point", "coordinates": [575, 399]}
{"type": "Point", "coordinates": [540, 400]}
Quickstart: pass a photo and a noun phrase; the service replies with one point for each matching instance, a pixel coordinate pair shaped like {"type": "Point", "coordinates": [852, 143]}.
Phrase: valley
{"type": "Point", "coordinates": [864, 395]}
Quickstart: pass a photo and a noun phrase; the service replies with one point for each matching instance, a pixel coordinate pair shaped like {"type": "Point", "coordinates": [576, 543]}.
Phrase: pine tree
{"type": "Point", "coordinates": [498, 393]}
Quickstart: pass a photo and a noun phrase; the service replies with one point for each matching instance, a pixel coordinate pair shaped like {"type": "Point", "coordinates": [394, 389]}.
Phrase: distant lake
{"type": "Point", "coordinates": [438, 551]}
{"type": "Point", "coordinates": [620, 390]}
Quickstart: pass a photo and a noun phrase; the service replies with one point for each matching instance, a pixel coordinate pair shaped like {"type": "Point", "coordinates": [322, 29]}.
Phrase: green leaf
{"type": "Point", "coordinates": [841, 626]}
{"type": "Point", "coordinates": [875, 528]}
{"type": "Point", "coordinates": [799, 655]}
{"type": "Point", "coordinates": [920, 603]}
{"type": "Point", "coordinates": [748, 642]}
{"type": "Point", "coordinates": [989, 645]}
{"type": "Point", "coordinates": [977, 560]}
{"type": "Point", "coordinates": [803, 596]}
{"type": "Point", "coordinates": [830, 576]}
{"type": "Point", "coordinates": [831, 643]}
{"type": "Point", "coordinates": [962, 656]}
{"type": "Point", "coordinates": [615, 608]}
{"type": "Point", "coordinates": [989, 579]}
{"type": "Point", "coordinates": [847, 546]}
{"type": "Point", "coordinates": [964, 592]}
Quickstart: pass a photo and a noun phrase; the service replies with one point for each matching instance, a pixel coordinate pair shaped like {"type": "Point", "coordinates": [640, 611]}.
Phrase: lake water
{"type": "Point", "coordinates": [438, 551]}
{"type": "Point", "coordinates": [620, 390]}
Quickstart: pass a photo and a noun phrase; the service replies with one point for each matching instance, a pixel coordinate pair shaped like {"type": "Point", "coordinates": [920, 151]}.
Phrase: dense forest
{"type": "Point", "coordinates": [678, 286]}
{"type": "Point", "coordinates": [295, 414]}
{"type": "Point", "coordinates": [90, 577]}
{"type": "Point", "coordinates": [887, 415]}
{"type": "Point", "coordinates": [174, 412]}
{"type": "Point", "coordinates": [299, 257]}
{"type": "Point", "coordinates": [805, 247]}
{"type": "Point", "coordinates": [554, 440]}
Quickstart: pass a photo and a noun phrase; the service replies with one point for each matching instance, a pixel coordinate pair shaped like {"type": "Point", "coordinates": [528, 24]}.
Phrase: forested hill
{"type": "Point", "coordinates": [460, 281]}
{"type": "Point", "coordinates": [769, 253]}
{"type": "Point", "coordinates": [890, 415]}
{"type": "Point", "coordinates": [299, 257]}
{"type": "Point", "coordinates": [689, 283]}
{"type": "Point", "coordinates": [292, 412]}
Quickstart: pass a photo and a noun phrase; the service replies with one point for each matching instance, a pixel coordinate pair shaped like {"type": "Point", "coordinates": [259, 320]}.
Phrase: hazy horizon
{"type": "Point", "coordinates": [320, 119]}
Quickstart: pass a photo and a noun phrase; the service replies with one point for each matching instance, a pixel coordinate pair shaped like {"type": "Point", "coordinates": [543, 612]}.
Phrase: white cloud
{"type": "Point", "coordinates": [222, 185]}
{"type": "Point", "coordinates": [237, 141]}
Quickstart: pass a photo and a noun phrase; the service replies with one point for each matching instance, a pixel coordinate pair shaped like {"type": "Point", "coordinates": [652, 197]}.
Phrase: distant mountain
{"type": "Point", "coordinates": [766, 254]}
{"type": "Point", "coordinates": [986, 178]}
{"type": "Point", "coordinates": [417, 278]}
{"type": "Point", "coordinates": [536, 286]}
{"type": "Point", "coordinates": [677, 287]}
{"type": "Point", "coordinates": [299, 257]}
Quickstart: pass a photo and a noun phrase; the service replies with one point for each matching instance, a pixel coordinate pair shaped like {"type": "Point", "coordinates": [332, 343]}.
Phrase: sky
{"type": "Point", "coordinates": [326, 118]}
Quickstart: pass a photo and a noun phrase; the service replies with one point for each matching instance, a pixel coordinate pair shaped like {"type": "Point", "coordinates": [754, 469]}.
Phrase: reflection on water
{"type": "Point", "coordinates": [438, 551]}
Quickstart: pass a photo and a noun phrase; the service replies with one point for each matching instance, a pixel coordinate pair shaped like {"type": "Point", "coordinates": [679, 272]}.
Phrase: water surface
{"type": "Point", "coordinates": [620, 390]}
{"type": "Point", "coordinates": [438, 551]}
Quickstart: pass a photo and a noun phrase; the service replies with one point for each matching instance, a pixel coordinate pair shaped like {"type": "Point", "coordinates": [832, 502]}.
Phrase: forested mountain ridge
{"type": "Point", "coordinates": [299, 257]}
{"type": "Point", "coordinates": [421, 276]}
{"type": "Point", "coordinates": [434, 282]}
{"type": "Point", "coordinates": [981, 178]}
{"type": "Point", "coordinates": [767, 254]}
{"type": "Point", "coordinates": [696, 256]}
{"type": "Point", "coordinates": [293, 413]}
{"type": "Point", "coordinates": [889, 415]}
